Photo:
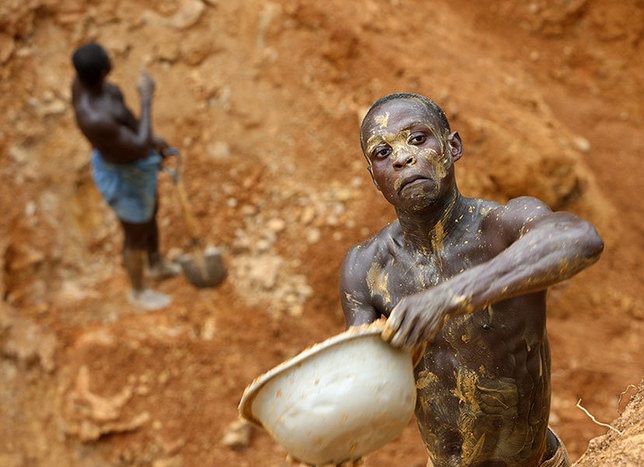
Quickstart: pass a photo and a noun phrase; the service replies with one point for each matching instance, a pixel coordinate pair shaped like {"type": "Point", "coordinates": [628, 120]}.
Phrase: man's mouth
{"type": "Point", "coordinates": [411, 180]}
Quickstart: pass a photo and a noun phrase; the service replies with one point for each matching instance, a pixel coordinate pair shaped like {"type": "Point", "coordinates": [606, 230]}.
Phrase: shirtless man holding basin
{"type": "Point", "coordinates": [466, 279]}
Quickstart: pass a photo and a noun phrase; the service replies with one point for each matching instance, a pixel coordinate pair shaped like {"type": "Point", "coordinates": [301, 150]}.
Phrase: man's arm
{"type": "Point", "coordinates": [543, 248]}
{"type": "Point", "coordinates": [354, 294]}
{"type": "Point", "coordinates": [125, 115]}
{"type": "Point", "coordinates": [118, 142]}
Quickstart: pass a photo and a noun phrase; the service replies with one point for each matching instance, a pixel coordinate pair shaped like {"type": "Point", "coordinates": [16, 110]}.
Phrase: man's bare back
{"type": "Point", "coordinates": [467, 279]}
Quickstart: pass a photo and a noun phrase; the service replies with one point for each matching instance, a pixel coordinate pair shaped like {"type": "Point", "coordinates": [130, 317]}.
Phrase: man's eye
{"type": "Point", "coordinates": [381, 153]}
{"type": "Point", "coordinates": [417, 138]}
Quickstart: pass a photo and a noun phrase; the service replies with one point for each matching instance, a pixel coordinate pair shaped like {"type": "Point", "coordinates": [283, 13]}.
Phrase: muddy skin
{"type": "Point", "coordinates": [468, 279]}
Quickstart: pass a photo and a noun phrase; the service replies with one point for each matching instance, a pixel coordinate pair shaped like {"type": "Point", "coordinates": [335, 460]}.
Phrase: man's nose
{"type": "Point", "coordinates": [403, 158]}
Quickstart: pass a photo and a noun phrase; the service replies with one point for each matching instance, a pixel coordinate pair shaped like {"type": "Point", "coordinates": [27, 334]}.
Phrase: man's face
{"type": "Point", "coordinates": [410, 155]}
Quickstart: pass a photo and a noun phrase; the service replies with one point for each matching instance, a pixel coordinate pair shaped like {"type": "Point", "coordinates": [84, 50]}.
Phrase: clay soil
{"type": "Point", "coordinates": [263, 99]}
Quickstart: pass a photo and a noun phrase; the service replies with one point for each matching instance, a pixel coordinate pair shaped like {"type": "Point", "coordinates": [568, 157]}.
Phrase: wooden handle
{"type": "Point", "coordinates": [192, 226]}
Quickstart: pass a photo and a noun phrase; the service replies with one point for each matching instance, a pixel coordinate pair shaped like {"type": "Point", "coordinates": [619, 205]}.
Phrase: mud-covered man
{"type": "Point", "coordinates": [125, 160]}
{"type": "Point", "coordinates": [467, 279]}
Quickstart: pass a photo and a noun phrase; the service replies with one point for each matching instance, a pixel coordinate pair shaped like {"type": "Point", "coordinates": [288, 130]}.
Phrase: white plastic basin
{"type": "Point", "coordinates": [337, 400]}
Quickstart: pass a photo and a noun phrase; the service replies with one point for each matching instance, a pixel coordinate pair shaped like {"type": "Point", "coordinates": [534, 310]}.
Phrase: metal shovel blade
{"type": "Point", "coordinates": [205, 270]}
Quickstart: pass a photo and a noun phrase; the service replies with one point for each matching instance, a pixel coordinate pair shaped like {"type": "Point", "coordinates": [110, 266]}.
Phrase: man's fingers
{"type": "Point", "coordinates": [399, 339]}
{"type": "Point", "coordinates": [405, 335]}
{"type": "Point", "coordinates": [396, 327]}
{"type": "Point", "coordinates": [416, 337]}
{"type": "Point", "coordinates": [391, 325]}
{"type": "Point", "coordinates": [145, 84]}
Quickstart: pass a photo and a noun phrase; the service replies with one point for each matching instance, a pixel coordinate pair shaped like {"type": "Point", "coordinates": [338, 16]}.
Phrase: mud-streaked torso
{"type": "Point", "coordinates": [485, 377]}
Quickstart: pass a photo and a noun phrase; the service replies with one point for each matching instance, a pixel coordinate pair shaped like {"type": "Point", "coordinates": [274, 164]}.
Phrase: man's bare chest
{"type": "Point", "coordinates": [405, 273]}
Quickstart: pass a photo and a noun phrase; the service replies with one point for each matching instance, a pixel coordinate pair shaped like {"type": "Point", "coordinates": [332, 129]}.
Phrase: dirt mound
{"type": "Point", "coordinates": [263, 99]}
{"type": "Point", "coordinates": [622, 445]}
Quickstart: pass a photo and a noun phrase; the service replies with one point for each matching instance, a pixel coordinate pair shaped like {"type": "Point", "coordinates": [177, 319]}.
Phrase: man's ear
{"type": "Point", "coordinates": [455, 145]}
{"type": "Point", "coordinates": [370, 169]}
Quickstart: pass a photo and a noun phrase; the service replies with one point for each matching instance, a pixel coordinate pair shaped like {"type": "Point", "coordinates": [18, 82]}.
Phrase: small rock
{"type": "Point", "coordinates": [581, 144]}
{"type": "Point", "coordinates": [313, 236]}
{"type": "Point", "coordinates": [219, 150]}
{"type": "Point", "coordinates": [209, 329]}
{"type": "Point", "coordinates": [276, 225]}
{"type": "Point", "coordinates": [237, 435]}
{"type": "Point", "coordinates": [189, 16]}
{"type": "Point", "coordinates": [7, 46]}
{"type": "Point", "coordinates": [343, 195]}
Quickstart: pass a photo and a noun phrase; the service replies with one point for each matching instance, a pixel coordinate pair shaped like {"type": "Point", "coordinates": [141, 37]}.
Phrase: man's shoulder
{"type": "Point", "coordinates": [520, 208]}
{"type": "Point", "coordinates": [391, 232]}
{"type": "Point", "coordinates": [93, 120]}
{"type": "Point", "coordinates": [360, 258]}
{"type": "Point", "coordinates": [510, 219]}
{"type": "Point", "coordinates": [526, 202]}
{"type": "Point", "coordinates": [91, 112]}
{"type": "Point", "coordinates": [113, 90]}
{"type": "Point", "coordinates": [378, 244]}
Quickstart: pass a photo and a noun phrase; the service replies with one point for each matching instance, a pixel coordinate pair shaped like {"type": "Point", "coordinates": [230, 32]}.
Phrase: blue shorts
{"type": "Point", "coordinates": [129, 189]}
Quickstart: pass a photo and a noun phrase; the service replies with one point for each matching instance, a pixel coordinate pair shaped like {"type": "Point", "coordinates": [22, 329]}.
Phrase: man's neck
{"type": "Point", "coordinates": [429, 229]}
{"type": "Point", "coordinates": [96, 89]}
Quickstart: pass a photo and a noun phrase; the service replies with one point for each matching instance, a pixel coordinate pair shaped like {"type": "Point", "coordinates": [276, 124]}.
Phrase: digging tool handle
{"type": "Point", "coordinates": [192, 226]}
{"type": "Point", "coordinates": [191, 222]}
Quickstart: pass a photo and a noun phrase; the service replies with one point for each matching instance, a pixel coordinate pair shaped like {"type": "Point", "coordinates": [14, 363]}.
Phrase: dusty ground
{"type": "Point", "coordinates": [264, 99]}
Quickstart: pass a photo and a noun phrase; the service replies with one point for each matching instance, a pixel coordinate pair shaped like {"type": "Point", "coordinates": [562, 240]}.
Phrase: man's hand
{"type": "Point", "coordinates": [418, 318]}
{"type": "Point", "coordinates": [145, 85]}
{"type": "Point", "coordinates": [162, 147]}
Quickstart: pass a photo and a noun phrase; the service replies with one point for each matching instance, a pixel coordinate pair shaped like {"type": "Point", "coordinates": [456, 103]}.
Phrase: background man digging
{"type": "Point", "coordinates": [126, 157]}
